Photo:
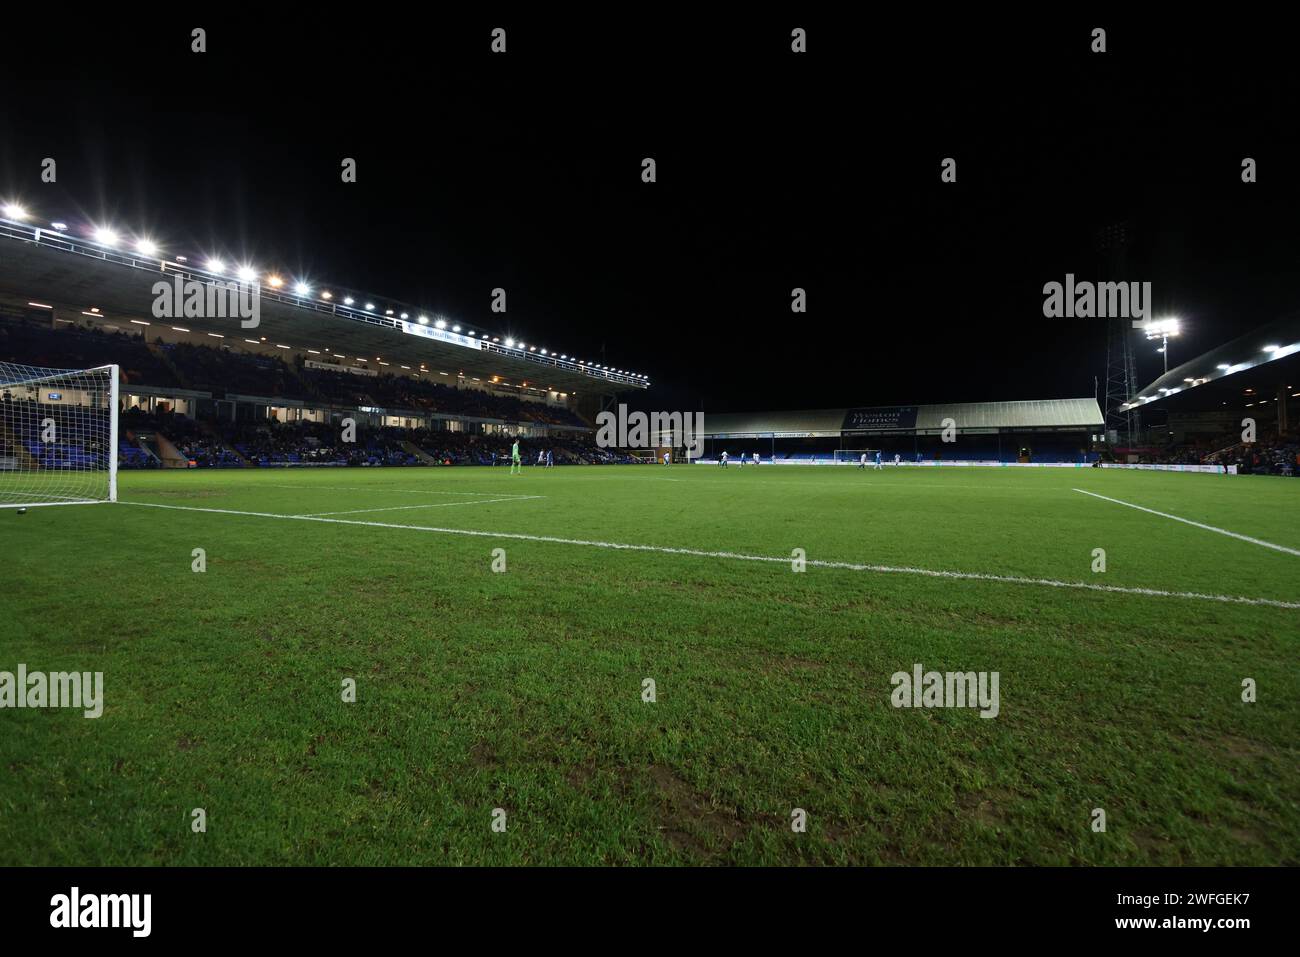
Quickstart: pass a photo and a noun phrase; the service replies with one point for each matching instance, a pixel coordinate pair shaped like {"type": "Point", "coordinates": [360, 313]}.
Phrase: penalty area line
{"type": "Point", "coordinates": [1188, 521]}
{"type": "Point", "coordinates": [739, 556]}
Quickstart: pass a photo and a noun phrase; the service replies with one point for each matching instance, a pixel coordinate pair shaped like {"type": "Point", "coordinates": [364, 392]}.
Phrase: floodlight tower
{"type": "Point", "coordinates": [1121, 364]}
{"type": "Point", "coordinates": [1163, 329]}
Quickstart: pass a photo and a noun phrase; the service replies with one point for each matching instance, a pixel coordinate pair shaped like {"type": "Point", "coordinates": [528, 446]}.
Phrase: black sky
{"type": "Point", "coordinates": [774, 171]}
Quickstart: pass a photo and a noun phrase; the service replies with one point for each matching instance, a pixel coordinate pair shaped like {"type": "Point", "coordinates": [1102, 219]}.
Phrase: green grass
{"type": "Point", "coordinates": [522, 690]}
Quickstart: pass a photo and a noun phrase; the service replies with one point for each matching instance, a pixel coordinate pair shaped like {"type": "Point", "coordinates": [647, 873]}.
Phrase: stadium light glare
{"type": "Point", "coordinates": [1272, 348]}
{"type": "Point", "coordinates": [348, 300]}
{"type": "Point", "coordinates": [216, 266]}
{"type": "Point", "coordinates": [455, 328]}
{"type": "Point", "coordinates": [1223, 365]}
{"type": "Point", "coordinates": [14, 211]}
{"type": "Point", "coordinates": [302, 288]}
{"type": "Point", "coordinates": [274, 282]}
{"type": "Point", "coordinates": [61, 227]}
{"type": "Point", "coordinates": [423, 320]}
{"type": "Point", "coordinates": [441, 324]}
{"type": "Point", "coordinates": [246, 273]}
{"type": "Point", "coordinates": [145, 247]}
{"type": "Point", "coordinates": [327, 295]}
{"type": "Point", "coordinates": [105, 236]}
{"type": "Point", "coordinates": [1162, 328]}
{"type": "Point", "coordinates": [510, 343]}
{"type": "Point", "coordinates": [370, 307]}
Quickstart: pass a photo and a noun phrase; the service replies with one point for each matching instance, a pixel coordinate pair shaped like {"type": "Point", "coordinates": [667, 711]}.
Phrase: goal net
{"type": "Point", "coordinates": [854, 456]}
{"type": "Point", "coordinates": [58, 435]}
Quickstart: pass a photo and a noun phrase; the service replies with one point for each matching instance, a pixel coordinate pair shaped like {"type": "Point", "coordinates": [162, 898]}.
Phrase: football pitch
{"type": "Point", "coordinates": [617, 665]}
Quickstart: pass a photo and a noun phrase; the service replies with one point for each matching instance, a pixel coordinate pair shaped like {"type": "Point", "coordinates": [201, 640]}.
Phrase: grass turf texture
{"type": "Point", "coordinates": [522, 690]}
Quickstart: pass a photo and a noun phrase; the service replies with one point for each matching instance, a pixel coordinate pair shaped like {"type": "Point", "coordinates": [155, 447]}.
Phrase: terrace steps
{"type": "Point", "coordinates": [419, 453]}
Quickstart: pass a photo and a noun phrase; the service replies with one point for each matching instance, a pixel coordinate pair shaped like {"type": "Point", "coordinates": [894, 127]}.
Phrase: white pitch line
{"type": "Point", "coordinates": [380, 488]}
{"type": "Point", "coordinates": [780, 560]}
{"type": "Point", "coordinates": [1188, 521]}
{"type": "Point", "coordinates": [399, 508]}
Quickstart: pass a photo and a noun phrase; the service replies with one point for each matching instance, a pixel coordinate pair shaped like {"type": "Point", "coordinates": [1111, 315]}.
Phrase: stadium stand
{"type": "Point", "coordinates": [1049, 430]}
{"type": "Point", "coordinates": [468, 426]}
{"type": "Point", "coordinates": [82, 348]}
{"type": "Point", "coordinates": [222, 371]}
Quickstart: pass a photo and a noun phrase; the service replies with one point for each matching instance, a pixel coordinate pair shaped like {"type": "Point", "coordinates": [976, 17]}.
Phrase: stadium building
{"type": "Point", "coordinates": [1234, 407]}
{"type": "Point", "coordinates": [249, 367]}
{"type": "Point", "coordinates": [1205, 409]}
{"type": "Point", "coordinates": [1047, 430]}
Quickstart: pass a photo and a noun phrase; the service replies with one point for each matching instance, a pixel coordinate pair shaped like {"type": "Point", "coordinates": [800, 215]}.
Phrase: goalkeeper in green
{"type": "Point", "coordinates": [515, 463]}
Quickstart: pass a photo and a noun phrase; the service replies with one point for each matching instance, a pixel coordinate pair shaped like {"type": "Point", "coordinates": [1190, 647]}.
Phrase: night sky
{"type": "Point", "coordinates": [775, 170]}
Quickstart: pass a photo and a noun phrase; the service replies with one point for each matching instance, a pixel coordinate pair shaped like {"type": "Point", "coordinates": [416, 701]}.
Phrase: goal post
{"type": "Point", "coordinates": [854, 456]}
{"type": "Point", "coordinates": [58, 435]}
